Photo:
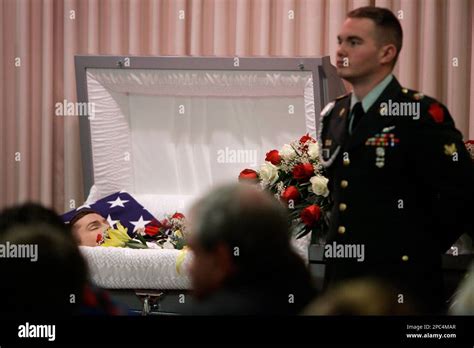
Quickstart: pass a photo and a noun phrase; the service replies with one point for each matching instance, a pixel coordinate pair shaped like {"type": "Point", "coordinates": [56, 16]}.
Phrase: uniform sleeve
{"type": "Point", "coordinates": [443, 166]}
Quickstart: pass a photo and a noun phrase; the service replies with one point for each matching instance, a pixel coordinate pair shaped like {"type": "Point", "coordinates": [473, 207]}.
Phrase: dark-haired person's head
{"type": "Point", "coordinates": [42, 271]}
{"type": "Point", "coordinates": [370, 42]}
{"type": "Point", "coordinates": [86, 225]}
{"type": "Point", "coordinates": [364, 296]}
{"type": "Point", "coordinates": [30, 213]}
{"type": "Point", "coordinates": [240, 238]}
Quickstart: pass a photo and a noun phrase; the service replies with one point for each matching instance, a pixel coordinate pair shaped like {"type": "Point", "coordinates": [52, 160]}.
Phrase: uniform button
{"type": "Point", "coordinates": [341, 230]}
{"type": "Point", "coordinates": [342, 206]}
{"type": "Point", "coordinates": [346, 161]}
{"type": "Point", "coordinates": [344, 183]}
{"type": "Point", "coordinates": [405, 257]}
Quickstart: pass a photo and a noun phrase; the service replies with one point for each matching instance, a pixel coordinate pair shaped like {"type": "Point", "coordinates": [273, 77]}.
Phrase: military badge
{"type": "Point", "coordinates": [418, 96]}
{"type": "Point", "coordinates": [380, 159]}
{"type": "Point", "coordinates": [450, 149]}
{"type": "Point", "coordinates": [436, 111]}
{"type": "Point", "coordinates": [388, 129]}
{"type": "Point", "coordinates": [381, 141]}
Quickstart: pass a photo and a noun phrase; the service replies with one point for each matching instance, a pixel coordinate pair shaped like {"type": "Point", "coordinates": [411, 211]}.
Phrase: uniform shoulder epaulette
{"type": "Point", "coordinates": [431, 108]}
{"type": "Point", "coordinates": [329, 106]}
{"type": "Point", "coordinates": [412, 94]}
{"type": "Point", "coordinates": [342, 96]}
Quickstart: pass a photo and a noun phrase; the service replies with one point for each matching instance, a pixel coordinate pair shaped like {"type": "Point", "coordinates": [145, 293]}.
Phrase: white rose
{"type": "Point", "coordinates": [319, 185]}
{"type": "Point", "coordinates": [287, 152]}
{"type": "Point", "coordinates": [268, 173]}
{"type": "Point", "coordinates": [313, 150]}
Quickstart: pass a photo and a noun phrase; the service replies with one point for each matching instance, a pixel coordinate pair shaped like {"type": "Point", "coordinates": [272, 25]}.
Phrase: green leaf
{"type": "Point", "coordinates": [140, 238]}
{"type": "Point", "coordinates": [303, 233]}
{"type": "Point", "coordinates": [135, 245]}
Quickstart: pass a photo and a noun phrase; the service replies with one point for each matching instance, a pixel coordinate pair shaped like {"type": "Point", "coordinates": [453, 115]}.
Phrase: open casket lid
{"type": "Point", "coordinates": [168, 128]}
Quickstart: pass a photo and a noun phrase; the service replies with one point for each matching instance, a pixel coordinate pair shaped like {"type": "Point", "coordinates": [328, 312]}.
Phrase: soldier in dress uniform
{"type": "Point", "coordinates": [402, 181]}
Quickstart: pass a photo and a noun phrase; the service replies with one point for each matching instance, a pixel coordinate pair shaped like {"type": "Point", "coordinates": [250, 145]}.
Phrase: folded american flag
{"type": "Point", "coordinates": [118, 207]}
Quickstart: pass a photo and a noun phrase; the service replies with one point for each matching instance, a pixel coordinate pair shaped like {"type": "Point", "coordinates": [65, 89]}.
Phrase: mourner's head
{"type": "Point", "coordinates": [41, 268]}
{"type": "Point", "coordinates": [43, 271]}
{"type": "Point", "coordinates": [30, 213]}
{"type": "Point", "coordinates": [361, 296]}
{"type": "Point", "coordinates": [86, 225]}
{"type": "Point", "coordinates": [240, 235]}
{"type": "Point", "coordinates": [370, 41]}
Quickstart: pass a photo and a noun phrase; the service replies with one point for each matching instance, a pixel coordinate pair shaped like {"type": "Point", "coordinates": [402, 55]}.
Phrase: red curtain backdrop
{"type": "Point", "coordinates": [40, 156]}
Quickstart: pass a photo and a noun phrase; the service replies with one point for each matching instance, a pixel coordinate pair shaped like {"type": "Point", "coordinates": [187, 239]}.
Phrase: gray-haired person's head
{"type": "Point", "coordinates": [243, 217]}
{"type": "Point", "coordinates": [241, 234]}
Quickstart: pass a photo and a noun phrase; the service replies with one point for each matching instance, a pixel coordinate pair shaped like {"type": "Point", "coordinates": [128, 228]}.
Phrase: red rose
{"type": "Point", "coordinates": [153, 228]}
{"type": "Point", "coordinates": [303, 171]}
{"type": "Point", "coordinates": [248, 175]}
{"type": "Point", "coordinates": [98, 238]}
{"type": "Point", "coordinates": [306, 138]}
{"type": "Point", "coordinates": [165, 224]}
{"type": "Point", "coordinates": [436, 111]}
{"type": "Point", "coordinates": [291, 193]}
{"type": "Point", "coordinates": [273, 157]}
{"type": "Point", "coordinates": [310, 215]}
{"type": "Point", "coordinates": [178, 216]}
{"type": "Point", "coordinates": [470, 148]}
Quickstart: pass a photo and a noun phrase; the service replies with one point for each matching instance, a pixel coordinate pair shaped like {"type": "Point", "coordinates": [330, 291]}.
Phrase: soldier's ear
{"type": "Point", "coordinates": [388, 53]}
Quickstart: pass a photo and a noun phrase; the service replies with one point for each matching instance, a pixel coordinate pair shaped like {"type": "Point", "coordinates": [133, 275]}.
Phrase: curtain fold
{"type": "Point", "coordinates": [40, 151]}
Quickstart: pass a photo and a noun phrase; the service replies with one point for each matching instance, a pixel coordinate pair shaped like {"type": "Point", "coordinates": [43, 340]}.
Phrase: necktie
{"type": "Point", "coordinates": [357, 113]}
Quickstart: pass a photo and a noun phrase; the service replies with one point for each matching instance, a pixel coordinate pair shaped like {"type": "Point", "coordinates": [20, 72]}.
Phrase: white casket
{"type": "Point", "coordinates": [165, 129]}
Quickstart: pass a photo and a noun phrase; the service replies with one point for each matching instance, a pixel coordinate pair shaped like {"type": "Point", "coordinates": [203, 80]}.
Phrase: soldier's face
{"type": "Point", "coordinates": [358, 55]}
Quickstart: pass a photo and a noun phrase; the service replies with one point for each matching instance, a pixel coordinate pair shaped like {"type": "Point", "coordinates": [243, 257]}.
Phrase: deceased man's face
{"type": "Point", "coordinates": [88, 227]}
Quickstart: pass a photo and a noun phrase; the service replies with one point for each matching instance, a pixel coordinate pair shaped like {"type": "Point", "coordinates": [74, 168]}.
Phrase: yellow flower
{"type": "Point", "coordinates": [116, 237]}
{"type": "Point", "coordinates": [180, 259]}
{"type": "Point", "coordinates": [178, 234]}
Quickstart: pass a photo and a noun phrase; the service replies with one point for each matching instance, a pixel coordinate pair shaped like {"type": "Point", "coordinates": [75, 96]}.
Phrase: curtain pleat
{"type": "Point", "coordinates": [23, 100]}
{"type": "Point", "coordinates": [457, 64]}
{"type": "Point", "coordinates": [34, 141]}
{"type": "Point", "coordinates": [47, 158]}
{"type": "Point", "coordinates": [436, 58]}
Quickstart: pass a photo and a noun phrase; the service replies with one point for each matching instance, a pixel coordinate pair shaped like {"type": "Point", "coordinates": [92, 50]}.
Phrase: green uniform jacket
{"type": "Point", "coordinates": [402, 186]}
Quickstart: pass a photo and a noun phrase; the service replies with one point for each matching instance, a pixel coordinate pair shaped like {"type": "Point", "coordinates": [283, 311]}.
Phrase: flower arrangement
{"type": "Point", "coordinates": [169, 233]}
{"type": "Point", "coordinates": [470, 148]}
{"type": "Point", "coordinates": [118, 237]}
{"type": "Point", "coordinates": [295, 176]}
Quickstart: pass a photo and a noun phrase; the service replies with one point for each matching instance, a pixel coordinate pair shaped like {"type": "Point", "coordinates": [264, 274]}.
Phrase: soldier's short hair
{"type": "Point", "coordinates": [387, 24]}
